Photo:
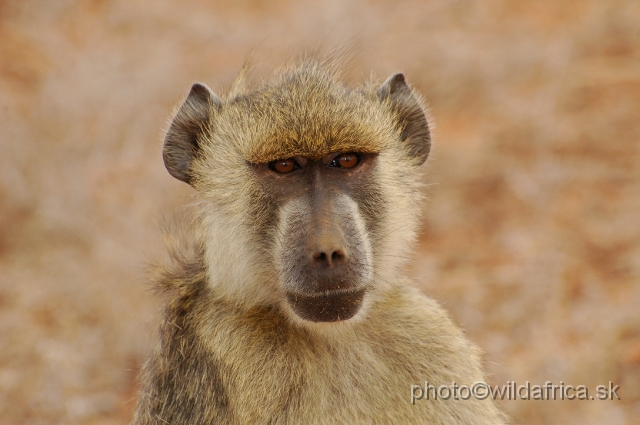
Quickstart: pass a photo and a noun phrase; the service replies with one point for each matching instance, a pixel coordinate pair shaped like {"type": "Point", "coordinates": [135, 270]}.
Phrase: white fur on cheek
{"type": "Point", "coordinates": [403, 200]}
{"type": "Point", "coordinates": [236, 268]}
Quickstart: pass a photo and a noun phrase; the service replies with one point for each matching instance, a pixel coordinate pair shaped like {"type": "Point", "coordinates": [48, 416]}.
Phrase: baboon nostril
{"type": "Point", "coordinates": [320, 257]}
{"type": "Point", "coordinates": [337, 255]}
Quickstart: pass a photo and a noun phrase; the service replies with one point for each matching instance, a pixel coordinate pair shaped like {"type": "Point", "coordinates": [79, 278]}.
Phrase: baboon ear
{"type": "Point", "coordinates": [409, 115]}
{"type": "Point", "coordinates": [181, 141]}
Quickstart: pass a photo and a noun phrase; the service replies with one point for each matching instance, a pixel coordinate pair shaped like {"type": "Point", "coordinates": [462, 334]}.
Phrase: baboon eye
{"type": "Point", "coordinates": [345, 160]}
{"type": "Point", "coordinates": [284, 166]}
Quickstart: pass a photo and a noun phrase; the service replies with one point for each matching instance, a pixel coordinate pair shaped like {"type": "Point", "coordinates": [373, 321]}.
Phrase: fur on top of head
{"type": "Point", "coordinates": [303, 111]}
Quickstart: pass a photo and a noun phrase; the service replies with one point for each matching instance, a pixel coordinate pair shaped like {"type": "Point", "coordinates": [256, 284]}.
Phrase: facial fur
{"type": "Point", "coordinates": [268, 232]}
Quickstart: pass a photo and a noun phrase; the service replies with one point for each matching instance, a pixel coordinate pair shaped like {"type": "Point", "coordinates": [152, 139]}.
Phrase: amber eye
{"type": "Point", "coordinates": [345, 160]}
{"type": "Point", "coordinates": [284, 166]}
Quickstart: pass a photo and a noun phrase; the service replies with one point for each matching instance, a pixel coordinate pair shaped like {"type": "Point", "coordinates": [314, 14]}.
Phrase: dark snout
{"type": "Point", "coordinates": [326, 274]}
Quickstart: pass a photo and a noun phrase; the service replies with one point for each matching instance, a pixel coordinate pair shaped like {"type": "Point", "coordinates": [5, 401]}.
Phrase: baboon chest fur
{"type": "Point", "coordinates": [288, 301]}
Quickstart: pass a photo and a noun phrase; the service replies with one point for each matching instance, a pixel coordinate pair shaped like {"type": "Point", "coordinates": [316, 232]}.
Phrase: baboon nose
{"type": "Point", "coordinates": [327, 248]}
{"type": "Point", "coordinates": [329, 258]}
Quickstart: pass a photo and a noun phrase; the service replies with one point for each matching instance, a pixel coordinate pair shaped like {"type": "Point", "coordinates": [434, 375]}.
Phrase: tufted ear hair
{"type": "Point", "coordinates": [181, 144]}
{"type": "Point", "coordinates": [409, 115]}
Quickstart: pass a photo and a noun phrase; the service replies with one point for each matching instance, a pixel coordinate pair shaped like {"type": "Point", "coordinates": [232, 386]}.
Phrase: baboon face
{"type": "Point", "coordinates": [307, 177]}
{"type": "Point", "coordinates": [322, 247]}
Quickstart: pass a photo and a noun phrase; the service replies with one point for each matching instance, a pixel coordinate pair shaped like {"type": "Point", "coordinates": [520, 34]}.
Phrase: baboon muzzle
{"type": "Point", "coordinates": [327, 271]}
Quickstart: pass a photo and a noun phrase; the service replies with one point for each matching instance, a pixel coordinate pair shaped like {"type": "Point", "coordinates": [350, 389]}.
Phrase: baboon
{"type": "Point", "coordinates": [291, 305]}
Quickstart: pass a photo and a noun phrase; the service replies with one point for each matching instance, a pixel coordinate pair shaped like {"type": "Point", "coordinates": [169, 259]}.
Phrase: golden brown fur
{"type": "Point", "coordinates": [231, 351]}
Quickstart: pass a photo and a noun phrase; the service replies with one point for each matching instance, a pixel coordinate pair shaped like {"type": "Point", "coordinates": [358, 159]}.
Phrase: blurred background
{"type": "Point", "coordinates": [532, 227]}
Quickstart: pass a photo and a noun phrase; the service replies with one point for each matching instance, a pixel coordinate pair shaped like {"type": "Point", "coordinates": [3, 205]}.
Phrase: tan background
{"type": "Point", "coordinates": [532, 228]}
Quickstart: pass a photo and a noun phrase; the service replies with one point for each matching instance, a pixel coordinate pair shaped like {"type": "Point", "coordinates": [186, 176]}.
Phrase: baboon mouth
{"type": "Point", "coordinates": [327, 307]}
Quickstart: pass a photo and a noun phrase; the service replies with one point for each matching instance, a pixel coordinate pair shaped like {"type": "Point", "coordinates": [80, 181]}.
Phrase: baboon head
{"type": "Point", "coordinates": [309, 191]}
